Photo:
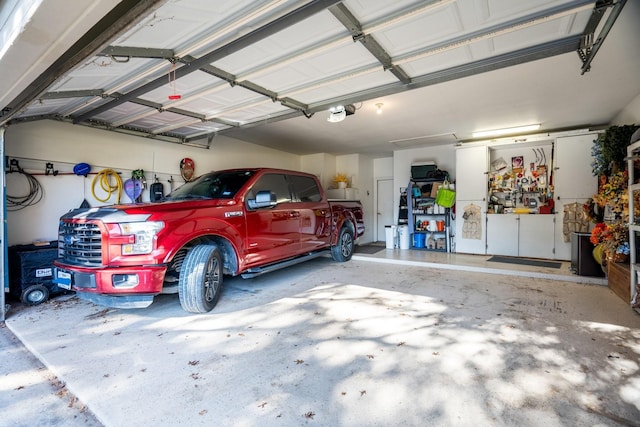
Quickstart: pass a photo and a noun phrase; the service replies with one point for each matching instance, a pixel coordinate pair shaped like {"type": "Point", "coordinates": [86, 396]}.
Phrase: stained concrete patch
{"type": "Point", "coordinates": [354, 344]}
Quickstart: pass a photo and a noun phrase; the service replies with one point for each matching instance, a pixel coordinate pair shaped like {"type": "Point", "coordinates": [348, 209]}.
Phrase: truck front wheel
{"type": "Point", "coordinates": [343, 249]}
{"type": "Point", "coordinates": [200, 281]}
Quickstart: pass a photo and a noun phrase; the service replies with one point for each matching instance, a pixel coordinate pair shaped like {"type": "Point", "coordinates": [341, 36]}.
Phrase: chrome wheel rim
{"type": "Point", "coordinates": [211, 280]}
{"type": "Point", "coordinates": [347, 244]}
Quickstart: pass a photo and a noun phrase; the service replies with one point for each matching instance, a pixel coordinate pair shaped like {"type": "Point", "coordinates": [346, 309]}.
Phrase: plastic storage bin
{"type": "Point", "coordinates": [391, 235]}
{"type": "Point", "coordinates": [404, 237]}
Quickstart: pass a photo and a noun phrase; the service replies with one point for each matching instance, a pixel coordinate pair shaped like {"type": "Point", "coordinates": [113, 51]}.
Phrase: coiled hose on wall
{"type": "Point", "coordinates": [33, 196]}
{"type": "Point", "coordinates": [104, 177]}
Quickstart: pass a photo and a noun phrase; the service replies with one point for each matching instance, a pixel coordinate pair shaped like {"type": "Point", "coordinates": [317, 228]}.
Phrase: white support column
{"type": "Point", "coordinates": [4, 268]}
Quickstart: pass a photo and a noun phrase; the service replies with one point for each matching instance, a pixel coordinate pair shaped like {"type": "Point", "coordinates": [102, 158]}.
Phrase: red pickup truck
{"type": "Point", "coordinates": [235, 222]}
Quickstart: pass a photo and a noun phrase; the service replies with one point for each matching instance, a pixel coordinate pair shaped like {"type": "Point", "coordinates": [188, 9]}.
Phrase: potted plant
{"type": "Point", "coordinates": [341, 180]}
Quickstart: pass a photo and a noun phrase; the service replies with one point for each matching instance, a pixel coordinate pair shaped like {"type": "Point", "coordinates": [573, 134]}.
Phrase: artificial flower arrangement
{"type": "Point", "coordinates": [341, 180]}
{"type": "Point", "coordinates": [611, 240]}
{"type": "Point", "coordinates": [613, 194]}
{"type": "Point", "coordinates": [340, 177]}
{"type": "Point", "coordinates": [613, 236]}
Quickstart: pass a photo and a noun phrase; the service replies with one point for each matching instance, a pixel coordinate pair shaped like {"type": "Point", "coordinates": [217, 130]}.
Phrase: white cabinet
{"type": "Point", "coordinates": [535, 236]}
{"type": "Point", "coordinates": [574, 182]}
{"type": "Point", "coordinates": [343, 193]}
{"type": "Point", "coordinates": [471, 173]}
{"type": "Point", "coordinates": [529, 236]}
{"type": "Point", "coordinates": [502, 234]}
{"type": "Point", "coordinates": [471, 232]}
{"type": "Point", "coordinates": [562, 166]}
{"type": "Point", "coordinates": [572, 174]}
{"type": "Point", "coordinates": [471, 193]}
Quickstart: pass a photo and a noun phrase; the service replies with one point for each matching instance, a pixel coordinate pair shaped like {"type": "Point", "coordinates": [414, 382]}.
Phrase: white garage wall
{"type": "Point", "coordinates": [359, 170]}
{"type": "Point", "coordinates": [64, 145]}
{"type": "Point", "coordinates": [322, 165]}
{"type": "Point", "coordinates": [630, 114]}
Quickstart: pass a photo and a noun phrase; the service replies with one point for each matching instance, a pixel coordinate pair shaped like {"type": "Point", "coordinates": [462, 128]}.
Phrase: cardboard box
{"type": "Point", "coordinates": [434, 189]}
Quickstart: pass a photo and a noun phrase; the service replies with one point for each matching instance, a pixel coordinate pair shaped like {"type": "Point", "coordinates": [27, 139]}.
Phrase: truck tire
{"type": "Point", "coordinates": [343, 250]}
{"type": "Point", "coordinates": [200, 281]}
{"type": "Point", "coordinates": [34, 295]}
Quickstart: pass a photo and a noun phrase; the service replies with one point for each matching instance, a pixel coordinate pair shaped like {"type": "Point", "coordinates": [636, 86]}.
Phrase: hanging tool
{"type": "Point", "coordinates": [537, 156]}
{"type": "Point", "coordinates": [156, 191]}
{"type": "Point", "coordinates": [104, 178]}
{"type": "Point", "coordinates": [14, 166]}
{"type": "Point", "coordinates": [49, 170]}
{"type": "Point", "coordinates": [82, 169]}
{"type": "Point", "coordinates": [140, 184]}
{"type": "Point", "coordinates": [133, 189]}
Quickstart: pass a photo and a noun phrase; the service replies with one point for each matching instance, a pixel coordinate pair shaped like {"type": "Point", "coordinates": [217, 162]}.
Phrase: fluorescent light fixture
{"type": "Point", "coordinates": [505, 131]}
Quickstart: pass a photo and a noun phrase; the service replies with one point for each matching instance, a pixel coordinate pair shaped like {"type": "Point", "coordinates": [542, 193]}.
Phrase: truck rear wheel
{"type": "Point", "coordinates": [343, 249]}
{"type": "Point", "coordinates": [200, 281]}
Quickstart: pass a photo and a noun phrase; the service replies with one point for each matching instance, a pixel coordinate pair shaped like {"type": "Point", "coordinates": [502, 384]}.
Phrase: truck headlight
{"type": "Point", "coordinates": [143, 234]}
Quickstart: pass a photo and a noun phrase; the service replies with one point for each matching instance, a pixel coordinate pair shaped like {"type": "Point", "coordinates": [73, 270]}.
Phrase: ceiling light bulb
{"type": "Point", "coordinates": [379, 106]}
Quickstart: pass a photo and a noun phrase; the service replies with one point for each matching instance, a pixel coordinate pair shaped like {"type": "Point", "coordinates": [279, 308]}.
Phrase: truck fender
{"type": "Point", "coordinates": [228, 250]}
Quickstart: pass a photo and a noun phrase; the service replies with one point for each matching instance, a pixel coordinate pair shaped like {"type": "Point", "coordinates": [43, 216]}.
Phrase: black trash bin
{"type": "Point", "coordinates": [31, 272]}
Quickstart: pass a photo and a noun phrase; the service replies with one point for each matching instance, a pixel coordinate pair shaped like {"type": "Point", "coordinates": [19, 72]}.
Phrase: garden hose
{"type": "Point", "coordinates": [105, 183]}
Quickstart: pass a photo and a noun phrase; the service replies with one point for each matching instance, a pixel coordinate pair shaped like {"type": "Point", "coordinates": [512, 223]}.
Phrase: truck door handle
{"type": "Point", "coordinates": [294, 214]}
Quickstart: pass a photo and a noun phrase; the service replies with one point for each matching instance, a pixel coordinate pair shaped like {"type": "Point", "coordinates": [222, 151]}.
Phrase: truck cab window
{"type": "Point", "coordinates": [275, 183]}
{"type": "Point", "coordinates": [305, 189]}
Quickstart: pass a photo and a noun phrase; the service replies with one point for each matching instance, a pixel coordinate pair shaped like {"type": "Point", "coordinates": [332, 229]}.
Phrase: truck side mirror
{"type": "Point", "coordinates": [263, 199]}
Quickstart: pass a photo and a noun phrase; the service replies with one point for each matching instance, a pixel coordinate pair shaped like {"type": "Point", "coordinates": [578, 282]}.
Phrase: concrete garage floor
{"type": "Point", "coordinates": [356, 344]}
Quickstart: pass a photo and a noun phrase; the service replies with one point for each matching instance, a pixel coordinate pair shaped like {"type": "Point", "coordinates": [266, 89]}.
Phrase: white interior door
{"type": "Point", "coordinates": [384, 207]}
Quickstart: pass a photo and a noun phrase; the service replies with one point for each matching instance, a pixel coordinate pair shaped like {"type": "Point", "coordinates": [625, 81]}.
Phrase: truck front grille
{"type": "Point", "coordinates": [80, 244]}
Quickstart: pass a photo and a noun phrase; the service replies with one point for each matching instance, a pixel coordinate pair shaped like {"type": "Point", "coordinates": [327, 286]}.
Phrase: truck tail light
{"type": "Point", "coordinates": [143, 233]}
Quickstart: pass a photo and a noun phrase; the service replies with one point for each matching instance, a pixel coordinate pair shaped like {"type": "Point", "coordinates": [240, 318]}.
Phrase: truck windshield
{"type": "Point", "coordinates": [214, 185]}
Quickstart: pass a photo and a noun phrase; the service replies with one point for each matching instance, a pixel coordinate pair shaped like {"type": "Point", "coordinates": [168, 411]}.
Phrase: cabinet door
{"type": "Point", "coordinates": [471, 173]}
{"type": "Point", "coordinates": [502, 234]}
{"type": "Point", "coordinates": [536, 238]}
{"type": "Point", "coordinates": [572, 175]}
{"type": "Point", "coordinates": [466, 242]}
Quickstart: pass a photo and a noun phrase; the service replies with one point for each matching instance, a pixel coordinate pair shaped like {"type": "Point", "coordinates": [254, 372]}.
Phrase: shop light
{"type": "Point", "coordinates": [337, 114]}
{"type": "Point", "coordinates": [505, 131]}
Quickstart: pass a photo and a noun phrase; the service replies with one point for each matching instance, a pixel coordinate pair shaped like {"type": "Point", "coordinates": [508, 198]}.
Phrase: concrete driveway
{"type": "Point", "coordinates": [353, 344]}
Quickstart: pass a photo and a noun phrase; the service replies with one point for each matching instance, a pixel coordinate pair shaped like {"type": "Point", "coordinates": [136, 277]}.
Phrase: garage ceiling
{"type": "Point", "coordinates": [186, 71]}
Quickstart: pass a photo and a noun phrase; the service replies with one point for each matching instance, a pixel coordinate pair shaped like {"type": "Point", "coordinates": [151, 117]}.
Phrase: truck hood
{"type": "Point", "coordinates": [142, 211]}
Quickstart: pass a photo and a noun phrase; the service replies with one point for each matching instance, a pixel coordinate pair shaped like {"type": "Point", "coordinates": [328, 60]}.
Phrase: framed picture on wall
{"type": "Point", "coordinates": [517, 162]}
